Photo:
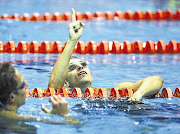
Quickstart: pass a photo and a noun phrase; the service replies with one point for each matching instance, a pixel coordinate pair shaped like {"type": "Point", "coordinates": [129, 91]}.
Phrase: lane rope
{"type": "Point", "coordinates": [91, 47]}
{"type": "Point", "coordinates": [108, 15]}
{"type": "Point", "coordinates": [97, 93]}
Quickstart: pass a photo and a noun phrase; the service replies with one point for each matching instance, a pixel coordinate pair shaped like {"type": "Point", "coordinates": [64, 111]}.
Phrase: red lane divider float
{"type": "Point", "coordinates": [97, 93]}
{"type": "Point", "coordinates": [92, 47]}
{"type": "Point", "coordinates": [128, 15]}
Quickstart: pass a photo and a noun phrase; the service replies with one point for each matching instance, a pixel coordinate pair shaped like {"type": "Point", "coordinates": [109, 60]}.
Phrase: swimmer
{"type": "Point", "coordinates": [13, 88]}
{"type": "Point", "coordinates": [13, 94]}
{"type": "Point", "coordinates": [72, 72]}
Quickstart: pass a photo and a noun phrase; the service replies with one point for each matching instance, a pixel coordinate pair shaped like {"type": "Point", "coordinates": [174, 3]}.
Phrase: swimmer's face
{"type": "Point", "coordinates": [20, 97]}
{"type": "Point", "coordinates": [79, 74]}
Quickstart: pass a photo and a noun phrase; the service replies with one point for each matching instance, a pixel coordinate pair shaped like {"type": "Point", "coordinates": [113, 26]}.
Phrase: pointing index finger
{"type": "Point", "coordinates": [73, 15]}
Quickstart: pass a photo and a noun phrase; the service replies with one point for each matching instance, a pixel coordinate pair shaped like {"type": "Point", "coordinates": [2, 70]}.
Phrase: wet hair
{"type": "Point", "coordinates": [8, 80]}
{"type": "Point", "coordinates": [74, 57]}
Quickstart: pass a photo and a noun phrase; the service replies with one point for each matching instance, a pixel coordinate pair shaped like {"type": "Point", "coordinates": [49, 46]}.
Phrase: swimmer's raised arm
{"type": "Point", "coordinates": [60, 69]}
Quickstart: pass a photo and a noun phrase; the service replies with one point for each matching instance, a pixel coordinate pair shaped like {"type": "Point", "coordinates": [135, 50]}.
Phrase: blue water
{"type": "Point", "coordinates": [154, 116]}
{"type": "Point", "coordinates": [102, 116]}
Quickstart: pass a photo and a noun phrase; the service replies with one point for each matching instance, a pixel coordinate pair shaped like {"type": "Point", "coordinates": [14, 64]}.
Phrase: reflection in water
{"type": "Point", "coordinates": [97, 106]}
{"type": "Point", "coordinates": [141, 111]}
{"type": "Point", "coordinates": [105, 59]}
{"type": "Point", "coordinates": [131, 67]}
{"type": "Point", "coordinates": [172, 4]}
{"type": "Point", "coordinates": [17, 127]}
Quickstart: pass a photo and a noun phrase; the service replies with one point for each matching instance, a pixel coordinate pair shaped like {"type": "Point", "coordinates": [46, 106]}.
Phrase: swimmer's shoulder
{"type": "Point", "coordinates": [4, 114]}
{"type": "Point", "coordinates": [11, 115]}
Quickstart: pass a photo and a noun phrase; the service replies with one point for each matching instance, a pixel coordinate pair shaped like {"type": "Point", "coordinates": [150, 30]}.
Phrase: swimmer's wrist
{"type": "Point", "coordinates": [136, 96]}
{"type": "Point", "coordinates": [63, 114]}
{"type": "Point", "coordinates": [73, 40]}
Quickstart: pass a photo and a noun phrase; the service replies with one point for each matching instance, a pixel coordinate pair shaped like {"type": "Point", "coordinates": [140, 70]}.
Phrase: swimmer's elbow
{"type": "Point", "coordinates": [157, 78]}
{"type": "Point", "coordinates": [160, 79]}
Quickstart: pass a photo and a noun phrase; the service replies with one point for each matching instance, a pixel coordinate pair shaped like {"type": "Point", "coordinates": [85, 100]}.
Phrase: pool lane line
{"type": "Point", "coordinates": [108, 15]}
{"type": "Point", "coordinates": [101, 93]}
{"type": "Point", "coordinates": [91, 47]}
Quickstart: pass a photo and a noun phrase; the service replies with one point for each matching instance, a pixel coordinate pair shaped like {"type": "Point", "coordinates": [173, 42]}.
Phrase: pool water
{"type": "Point", "coordinates": [104, 116]}
{"type": "Point", "coordinates": [100, 116]}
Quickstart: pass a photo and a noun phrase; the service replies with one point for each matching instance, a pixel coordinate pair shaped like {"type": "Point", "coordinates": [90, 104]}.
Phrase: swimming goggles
{"type": "Point", "coordinates": [73, 66]}
{"type": "Point", "coordinates": [22, 86]}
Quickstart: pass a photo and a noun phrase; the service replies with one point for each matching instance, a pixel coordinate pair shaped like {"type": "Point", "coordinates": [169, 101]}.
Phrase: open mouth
{"type": "Point", "coordinates": [82, 73]}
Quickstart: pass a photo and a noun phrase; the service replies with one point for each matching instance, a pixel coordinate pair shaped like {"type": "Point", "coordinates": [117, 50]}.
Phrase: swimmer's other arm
{"type": "Point", "coordinates": [60, 69]}
{"type": "Point", "coordinates": [145, 87]}
{"type": "Point", "coordinates": [59, 108]}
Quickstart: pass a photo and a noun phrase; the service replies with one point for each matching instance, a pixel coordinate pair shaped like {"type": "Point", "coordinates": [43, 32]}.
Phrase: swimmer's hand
{"type": "Point", "coordinates": [59, 106]}
{"type": "Point", "coordinates": [136, 96]}
{"type": "Point", "coordinates": [75, 28]}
